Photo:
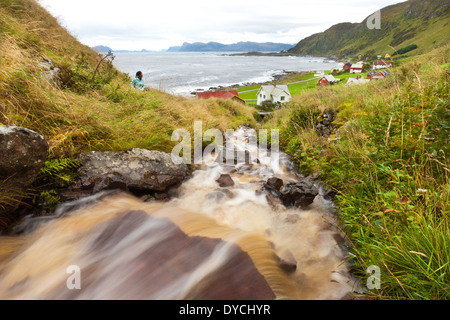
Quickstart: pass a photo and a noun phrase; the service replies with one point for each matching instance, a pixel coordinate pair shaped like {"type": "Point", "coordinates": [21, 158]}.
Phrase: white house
{"type": "Point", "coordinates": [357, 67]}
{"type": "Point", "coordinates": [275, 94]}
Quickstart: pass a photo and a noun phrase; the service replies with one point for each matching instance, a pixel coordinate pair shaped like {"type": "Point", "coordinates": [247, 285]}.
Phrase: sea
{"type": "Point", "coordinates": [182, 73]}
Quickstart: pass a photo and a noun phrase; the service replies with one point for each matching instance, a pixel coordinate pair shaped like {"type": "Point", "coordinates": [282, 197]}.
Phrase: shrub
{"type": "Point", "coordinates": [268, 106]}
{"type": "Point", "coordinates": [406, 49]}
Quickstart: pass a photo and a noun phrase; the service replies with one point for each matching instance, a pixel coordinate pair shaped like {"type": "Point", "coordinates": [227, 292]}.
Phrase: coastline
{"type": "Point", "coordinates": [276, 77]}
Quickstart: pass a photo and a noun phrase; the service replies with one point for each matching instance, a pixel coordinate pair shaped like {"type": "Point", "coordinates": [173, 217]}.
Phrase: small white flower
{"type": "Point", "coordinates": [421, 191]}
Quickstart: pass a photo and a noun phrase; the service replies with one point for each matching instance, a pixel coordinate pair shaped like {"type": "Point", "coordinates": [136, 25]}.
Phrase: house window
{"type": "Point", "coordinates": [260, 95]}
{"type": "Point", "coordinates": [282, 98]}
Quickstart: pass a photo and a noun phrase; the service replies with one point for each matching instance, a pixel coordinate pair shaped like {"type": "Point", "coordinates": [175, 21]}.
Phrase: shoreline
{"type": "Point", "coordinates": [275, 78]}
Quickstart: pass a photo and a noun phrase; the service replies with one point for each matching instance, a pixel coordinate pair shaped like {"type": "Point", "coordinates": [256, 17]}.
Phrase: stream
{"type": "Point", "coordinates": [207, 242]}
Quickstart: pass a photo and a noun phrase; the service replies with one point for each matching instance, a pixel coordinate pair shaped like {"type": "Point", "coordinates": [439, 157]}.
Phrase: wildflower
{"type": "Point", "coordinates": [421, 191]}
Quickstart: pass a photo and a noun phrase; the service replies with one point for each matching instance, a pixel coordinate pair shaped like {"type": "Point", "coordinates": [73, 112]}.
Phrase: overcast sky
{"type": "Point", "coordinates": [158, 25]}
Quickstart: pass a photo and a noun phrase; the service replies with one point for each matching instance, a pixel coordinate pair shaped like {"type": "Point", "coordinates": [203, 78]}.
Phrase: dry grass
{"type": "Point", "coordinates": [390, 169]}
{"type": "Point", "coordinates": [108, 116]}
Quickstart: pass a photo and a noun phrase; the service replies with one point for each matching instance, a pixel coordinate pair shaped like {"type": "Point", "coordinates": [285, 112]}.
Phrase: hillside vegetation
{"type": "Point", "coordinates": [387, 160]}
{"type": "Point", "coordinates": [82, 113]}
{"type": "Point", "coordinates": [81, 110]}
{"type": "Point", "coordinates": [423, 23]}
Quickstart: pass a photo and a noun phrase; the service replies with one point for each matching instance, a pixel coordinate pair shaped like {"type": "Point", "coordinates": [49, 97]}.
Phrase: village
{"type": "Point", "coordinates": [273, 95]}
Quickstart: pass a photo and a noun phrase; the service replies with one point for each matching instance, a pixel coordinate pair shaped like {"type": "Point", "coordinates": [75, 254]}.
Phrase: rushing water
{"type": "Point", "coordinates": [182, 73]}
{"type": "Point", "coordinates": [129, 249]}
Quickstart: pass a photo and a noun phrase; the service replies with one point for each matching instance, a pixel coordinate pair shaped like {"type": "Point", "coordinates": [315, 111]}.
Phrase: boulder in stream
{"type": "Point", "coordinates": [274, 183]}
{"type": "Point", "coordinates": [225, 180]}
{"type": "Point", "coordinates": [300, 194]}
{"type": "Point", "coordinates": [24, 153]}
{"type": "Point", "coordinates": [135, 170]}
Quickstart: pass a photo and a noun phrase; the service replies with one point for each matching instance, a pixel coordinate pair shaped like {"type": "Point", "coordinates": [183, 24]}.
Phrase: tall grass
{"type": "Point", "coordinates": [80, 112]}
{"type": "Point", "coordinates": [389, 164]}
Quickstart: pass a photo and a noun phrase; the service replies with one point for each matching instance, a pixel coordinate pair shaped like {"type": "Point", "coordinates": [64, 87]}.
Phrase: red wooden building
{"type": "Point", "coordinates": [328, 80]}
{"type": "Point", "coordinates": [378, 75]}
{"type": "Point", "coordinates": [346, 66]}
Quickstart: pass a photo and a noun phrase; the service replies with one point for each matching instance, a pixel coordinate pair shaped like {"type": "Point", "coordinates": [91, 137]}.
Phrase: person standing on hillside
{"type": "Point", "coordinates": [138, 82]}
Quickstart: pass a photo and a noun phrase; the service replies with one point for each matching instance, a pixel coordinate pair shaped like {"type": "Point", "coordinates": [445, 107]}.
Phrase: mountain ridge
{"type": "Point", "coordinates": [424, 23]}
{"type": "Point", "coordinates": [241, 46]}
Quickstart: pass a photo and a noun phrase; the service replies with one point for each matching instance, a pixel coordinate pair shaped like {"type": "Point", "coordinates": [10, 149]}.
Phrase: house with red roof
{"type": "Point", "coordinates": [346, 66]}
{"type": "Point", "coordinates": [380, 64]}
{"type": "Point", "coordinates": [328, 80]}
{"type": "Point", "coordinates": [374, 75]}
{"type": "Point", "coordinates": [357, 67]}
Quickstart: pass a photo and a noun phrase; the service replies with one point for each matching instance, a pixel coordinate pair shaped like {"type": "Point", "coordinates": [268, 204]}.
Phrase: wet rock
{"type": "Point", "coordinates": [286, 261]}
{"type": "Point", "coordinates": [108, 184]}
{"type": "Point", "coordinates": [274, 183]}
{"type": "Point", "coordinates": [23, 154]}
{"type": "Point", "coordinates": [292, 218]}
{"type": "Point", "coordinates": [315, 176]}
{"type": "Point", "coordinates": [135, 170]}
{"type": "Point", "coordinates": [161, 196]}
{"type": "Point", "coordinates": [300, 194]}
{"type": "Point", "coordinates": [271, 189]}
{"type": "Point", "coordinates": [274, 200]}
{"type": "Point", "coordinates": [246, 168]}
{"type": "Point", "coordinates": [152, 270]}
{"type": "Point", "coordinates": [338, 238]}
{"type": "Point", "coordinates": [219, 194]}
{"type": "Point", "coordinates": [225, 180]}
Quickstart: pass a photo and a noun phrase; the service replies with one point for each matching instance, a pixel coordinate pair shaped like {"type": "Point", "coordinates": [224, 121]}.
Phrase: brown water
{"type": "Point", "coordinates": [128, 249]}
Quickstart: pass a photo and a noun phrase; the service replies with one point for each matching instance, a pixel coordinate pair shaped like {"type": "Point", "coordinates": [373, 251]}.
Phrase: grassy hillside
{"type": "Point", "coordinates": [81, 114]}
{"type": "Point", "coordinates": [388, 162]}
{"type": "Point", "coordinates": [424, 23]}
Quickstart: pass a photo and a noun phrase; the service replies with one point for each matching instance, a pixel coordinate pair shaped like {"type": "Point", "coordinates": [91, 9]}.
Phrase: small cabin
{"type": "Point", "coordinates": [274, 93]}
{"type": "Point", "coordinates": [328, 80]}
{"type": "Point", "coordinates": [346, 66]}
{"type": "Point", "coordinates": [357, 67]}
{"type": "Point", "coordinates": [378, 75]}
{"type": "Point", "coordinates": [380, 64]}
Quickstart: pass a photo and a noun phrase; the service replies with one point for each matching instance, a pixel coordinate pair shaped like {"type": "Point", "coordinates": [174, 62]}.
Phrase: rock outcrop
{"type": "Point", "coordinates": [324, 124]}
{"type": "Point", "coordinates": [24, 153]}
{"type": "Point", "coordinates": [135, 170]}
{"type": "Point", "coordinates": [50, 73]}
{"type": "Point", "coordinates": [300, 194]}
{"type": "Point", "coordinates": [225, 180]}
